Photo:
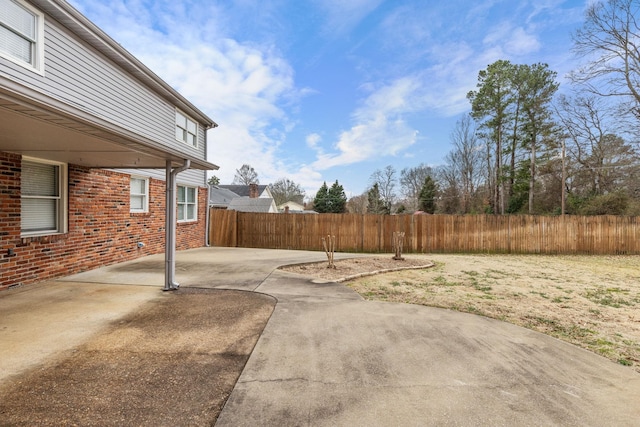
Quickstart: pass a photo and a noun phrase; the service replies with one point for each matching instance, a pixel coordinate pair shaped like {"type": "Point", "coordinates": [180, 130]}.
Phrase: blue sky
{"type": "Point", "coordinates": [325, 90]}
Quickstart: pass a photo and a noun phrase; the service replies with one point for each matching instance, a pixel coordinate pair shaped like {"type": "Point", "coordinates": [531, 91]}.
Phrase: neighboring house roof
{"type": "Point", "coordinates": [244, 190]}
{"type": "Point", "coordinates": [248, 204]}
{"type": "Point", "coordinates": [221, 197]}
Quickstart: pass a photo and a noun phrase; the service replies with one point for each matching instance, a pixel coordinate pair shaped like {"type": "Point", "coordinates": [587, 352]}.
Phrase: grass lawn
{"type": "Point", "coordinates": [590, 301]}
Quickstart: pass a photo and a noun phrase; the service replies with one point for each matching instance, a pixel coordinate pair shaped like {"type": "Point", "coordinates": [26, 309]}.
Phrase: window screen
{"type": "Point", "coordinates": [17, 31]}
{"type": "Point", "coordinates": [40, 203]}
{"type": "Point", "coordinates": [187, 204]}
{"type": "Point", "coordinates": [139, 196]}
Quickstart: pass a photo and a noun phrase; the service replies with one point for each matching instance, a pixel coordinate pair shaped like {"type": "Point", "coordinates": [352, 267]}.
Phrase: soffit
{"type": "Point", "coordinates": [34, 131]}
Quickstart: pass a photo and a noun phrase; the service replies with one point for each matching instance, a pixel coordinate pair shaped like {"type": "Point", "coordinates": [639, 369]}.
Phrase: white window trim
{"type": "Point", "coordinates": [183, 205]}
{"type": "Point", "coordinates": [183, 140]}
{"type": "Point", "coordinates": [145, 204]}
{"type": "Point", "coordinates": [62, 206]}
{"type": "Point", "coordinates": [38, 67]}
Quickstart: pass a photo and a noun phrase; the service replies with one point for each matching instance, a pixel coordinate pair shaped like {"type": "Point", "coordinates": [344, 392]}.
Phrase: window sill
{"type": "Point", "coordinates": [187, 222]}
{"type": "Point", "coordinates": [41, 238]}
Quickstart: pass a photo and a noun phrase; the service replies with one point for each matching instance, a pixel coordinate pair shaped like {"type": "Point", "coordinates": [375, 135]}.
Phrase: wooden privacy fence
{"type": "Point", "coordinates": [526, 234]}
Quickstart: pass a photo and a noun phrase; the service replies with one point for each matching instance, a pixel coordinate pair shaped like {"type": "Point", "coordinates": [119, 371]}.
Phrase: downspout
{"type": "Point", "coordinates": [207, 243]}
{"type": "Point", "coordinates": [170, 226]}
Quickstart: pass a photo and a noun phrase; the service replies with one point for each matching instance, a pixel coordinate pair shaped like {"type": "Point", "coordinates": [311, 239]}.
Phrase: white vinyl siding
{"type": "Point", "coordinates": [187, 204]}
{"type": "Point", "coordinates": [139, 198]}
{"type": "Point", "coordinates": [43, 197]}
{"type": "Point", "coordinates": [186, 130]}
{"type": "Point", "coordinates": [190, 177]}
{"type": "Point", "coordinates": [79, 75]}
{"type": "Point", "coordinates": [21, 34]}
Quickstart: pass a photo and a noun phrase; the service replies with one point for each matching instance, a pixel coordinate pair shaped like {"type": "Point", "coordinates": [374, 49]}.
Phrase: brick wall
{"type": "Point", "coordinates": [101, 229]}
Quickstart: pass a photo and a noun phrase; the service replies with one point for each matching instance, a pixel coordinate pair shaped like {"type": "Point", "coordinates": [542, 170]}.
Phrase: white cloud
{"type": "Point", "coordinates": [241, 86]}
{"type": "Point", "coordinates": [313, 140]}
{"type": "Point", "coordinates": [224, 57]}
{"type": "Point", "coordinates": [521, 43]}
{"type": "Point", "coordinates": [514, 41]}
{"type": "Point", "coordinates": [342, 16]}
{"type": "Point", "coordinates": [379, 129]}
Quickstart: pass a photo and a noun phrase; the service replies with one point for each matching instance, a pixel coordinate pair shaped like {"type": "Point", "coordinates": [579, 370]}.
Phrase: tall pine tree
{"type": "Point", "coordinates": [376, 204]}
{"type": "Point", "coordinates": [427, 198]}
{"type": "Point", "coordinates": [320, 201]}
{"type": "Point", "coordinates": [337, 200]}
{"type": "Point", "coordinates": [330, 200]}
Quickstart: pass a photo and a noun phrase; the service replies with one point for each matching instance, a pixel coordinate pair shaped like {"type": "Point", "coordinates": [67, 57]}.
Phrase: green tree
{"type": "Point", "coordinates": [376, 205]}
{"type": "Point", "coordinates": [490, 108]}
{"type": "Point", "coordinates": [512, 107]}
{"type": "Point", "coordinates": [539, 88]}
{"type": "Point", "coordinates": [411, 180]}
{"type": "Point", "coordinates": [427, 198]}
{"type": "Point", "coordinates": [284, 190]}
{"type": "Point", "coordinates": [336, 199]}
{"type": "Point", "coordinates": [320, 202]}
{"type": "Point", "coordinates": [214, 180]}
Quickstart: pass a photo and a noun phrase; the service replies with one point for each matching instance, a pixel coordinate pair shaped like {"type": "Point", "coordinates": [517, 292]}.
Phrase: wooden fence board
{"type": "Point", "coordinates": [429, 233]}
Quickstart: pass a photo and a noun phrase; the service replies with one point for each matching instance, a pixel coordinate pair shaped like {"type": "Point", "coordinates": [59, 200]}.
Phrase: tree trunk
{"type": "Point", "coordinates": [532, 179]}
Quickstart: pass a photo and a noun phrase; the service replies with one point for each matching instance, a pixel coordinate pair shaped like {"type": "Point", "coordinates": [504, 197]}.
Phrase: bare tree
{"type": "Point", "coordinates": [358, 204]}
{"type": "Point", "coordinates": [386, 180]}
{"type": "Point", "coordinates": [609, 41]}
{"type": "Point", "coordinates": [284, 190]}
{"type": "Point", "coordinates": [449, 200]}
{"type": "Point", "coordinates": [600, 161]}
{"type": "Point", "coordinates": [411, 182]}
{"type": "Point", "coordinates": [465, 163]}
{"type": "Point", "coordinates": [246, 175]}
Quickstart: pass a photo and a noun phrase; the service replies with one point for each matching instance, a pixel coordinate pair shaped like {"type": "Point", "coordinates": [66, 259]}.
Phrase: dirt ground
{"type": "Point", "coordinates": [174, 362]}
{"type": "Point", "coordinates": [590, 301]}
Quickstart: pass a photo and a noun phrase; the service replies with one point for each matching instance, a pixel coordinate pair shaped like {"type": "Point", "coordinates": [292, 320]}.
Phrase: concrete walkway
{"type": "Point", "coordinates": [327, 357]}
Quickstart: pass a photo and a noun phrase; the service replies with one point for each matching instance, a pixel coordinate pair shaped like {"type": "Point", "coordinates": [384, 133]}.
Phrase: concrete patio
{"type": "Point", "coordinates": [327, 357]}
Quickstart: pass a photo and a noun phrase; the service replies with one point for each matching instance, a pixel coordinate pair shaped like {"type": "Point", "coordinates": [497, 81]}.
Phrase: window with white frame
{"type": "Point", "coordinates": [22, 34]}
{"type": "Point", "coordinates": [43, 187]}
{"type": "Point", "coordinates": [186, 129]}
{"type": "Point", "coordinates": [139, 197]}
{"type": "Point", "coordinates": [187, 204]}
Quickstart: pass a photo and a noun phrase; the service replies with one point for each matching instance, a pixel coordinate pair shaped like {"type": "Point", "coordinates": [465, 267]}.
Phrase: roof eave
{"type": "Point", "coordinates": [72, 19]}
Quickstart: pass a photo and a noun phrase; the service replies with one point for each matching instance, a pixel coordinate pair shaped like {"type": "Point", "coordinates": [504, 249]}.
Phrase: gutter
{"type": "Point", "coordinates": [90, 33]}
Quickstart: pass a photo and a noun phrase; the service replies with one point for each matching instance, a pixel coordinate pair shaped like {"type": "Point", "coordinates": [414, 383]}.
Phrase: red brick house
{"type": "Point", "coordinates": [100, 160]}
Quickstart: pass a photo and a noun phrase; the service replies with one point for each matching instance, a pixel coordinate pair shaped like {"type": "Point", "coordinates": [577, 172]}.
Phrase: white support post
{"type": "Point", "coordinates": [170, 226]}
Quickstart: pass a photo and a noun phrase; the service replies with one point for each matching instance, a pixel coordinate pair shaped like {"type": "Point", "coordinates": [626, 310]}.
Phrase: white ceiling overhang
{"type": "Point", "coordinates": [45, 128]}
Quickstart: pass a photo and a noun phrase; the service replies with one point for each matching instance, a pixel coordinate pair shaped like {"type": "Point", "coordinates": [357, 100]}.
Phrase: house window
{"type": "Point", "coordinates": [187, 204]}
{"type": "Point", "coordinates": [139, 198]}
{"type": "Point", "coordinates": [43, 197]}
{"type": "Point", "coordinates": [22, 34]}
{"type": "Point", "coordinates": [186, 129]}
